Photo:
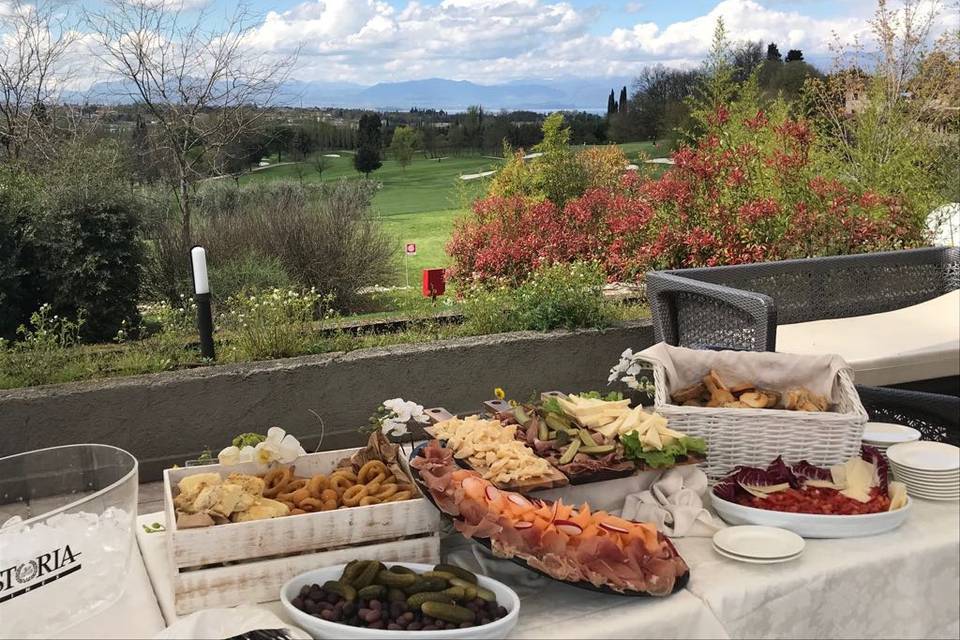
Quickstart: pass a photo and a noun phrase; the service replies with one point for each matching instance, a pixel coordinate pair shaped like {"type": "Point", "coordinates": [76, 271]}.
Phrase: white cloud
{"type": "Point", "coordinates": [496, 40]}
{"type": "Point", "coordinates": [491, 41]}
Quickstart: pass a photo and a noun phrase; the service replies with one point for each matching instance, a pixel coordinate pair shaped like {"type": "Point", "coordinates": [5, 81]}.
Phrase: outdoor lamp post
{"type": "Point", "coordinates": [201, 287]}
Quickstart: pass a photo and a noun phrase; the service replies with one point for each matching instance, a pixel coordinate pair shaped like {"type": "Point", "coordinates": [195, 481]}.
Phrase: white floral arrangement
{"type": "Point", "coordinates": [626, 371]}
{"type": "Point", "coordinates": [277, 446]}
{"type": "Point", "coordinates": [398, 416]}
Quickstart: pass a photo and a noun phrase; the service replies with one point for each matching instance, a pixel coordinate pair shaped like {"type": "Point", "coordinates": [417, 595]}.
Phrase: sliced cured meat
{"type": "Point", "coordinates": [569, 543]}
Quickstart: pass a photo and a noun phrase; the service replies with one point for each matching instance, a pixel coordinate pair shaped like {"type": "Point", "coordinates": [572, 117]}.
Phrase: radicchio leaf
{"type": "Point", "coordinates": [803, 470]}
{"type": "Point", "coordinates": [877, 459]}
{"type": "Point", "coordinates": [726, 490]}
{"type": "Point", "coordinates": [778, 473]}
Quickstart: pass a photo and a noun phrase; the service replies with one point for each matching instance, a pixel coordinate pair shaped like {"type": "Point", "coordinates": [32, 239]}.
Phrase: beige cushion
{"type": "Point", "coordinates": [914, 343]}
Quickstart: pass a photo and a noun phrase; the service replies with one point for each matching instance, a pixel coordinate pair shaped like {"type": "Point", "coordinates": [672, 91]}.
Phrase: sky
{"type": "Point", "coordinates": [495, 41]}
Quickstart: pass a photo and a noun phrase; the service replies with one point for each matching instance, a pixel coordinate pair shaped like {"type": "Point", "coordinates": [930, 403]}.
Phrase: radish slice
{"type": "Point", "coordinates": [523, 524]}
{"type": "Point", "coordinates": [492, 493]}
{"type": "Point", "coordinates": [567, 527]}
{"type": "Point", "coordinates": [519, 500]}
{"type": "Point", "coordinates": [612, 527]}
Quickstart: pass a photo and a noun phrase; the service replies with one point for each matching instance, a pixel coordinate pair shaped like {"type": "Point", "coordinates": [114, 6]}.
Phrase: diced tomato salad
{"type": "Point", "coordinates": [818, 500]}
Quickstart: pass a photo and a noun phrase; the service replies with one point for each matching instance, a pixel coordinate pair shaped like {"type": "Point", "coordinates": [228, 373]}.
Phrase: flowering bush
{"type": "Point", "coordinates": [272, 324]}
{"type": "Point", "coordinates": [559, 296]}
{"type": "Point", "coordinates": [746, 192]}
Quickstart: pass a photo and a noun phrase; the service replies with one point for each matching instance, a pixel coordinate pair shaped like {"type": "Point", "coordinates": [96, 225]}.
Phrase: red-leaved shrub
{"type": "Point", "coordinates": [746, 192]}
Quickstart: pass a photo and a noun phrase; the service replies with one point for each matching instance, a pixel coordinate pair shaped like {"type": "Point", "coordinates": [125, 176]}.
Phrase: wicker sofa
{"type": "Point", "coordinates": [895, 316]}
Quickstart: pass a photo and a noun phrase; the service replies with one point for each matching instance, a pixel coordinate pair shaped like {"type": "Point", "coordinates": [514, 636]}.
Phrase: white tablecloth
{"type": "Point", "coordinates": [905, 583]}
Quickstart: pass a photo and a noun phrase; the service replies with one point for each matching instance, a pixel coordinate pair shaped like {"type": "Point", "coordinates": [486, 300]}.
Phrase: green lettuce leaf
{"type": "Point", "coordinates": [668, 456]}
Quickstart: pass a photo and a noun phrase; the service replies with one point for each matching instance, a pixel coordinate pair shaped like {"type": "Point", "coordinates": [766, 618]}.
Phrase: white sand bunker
{"type": "Point", "coordinates": [475, 176]}
{"type": "Point", "coordinates": [331, 155]}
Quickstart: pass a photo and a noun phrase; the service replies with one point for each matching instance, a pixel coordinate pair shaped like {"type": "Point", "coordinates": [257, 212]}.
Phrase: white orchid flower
{"type": "Point", "coordinates": [266, 452]}
{"type": "Point", "coordinates": [229, 456]}
{"type": "Point", "coordinates": [290, 449]}
{"type": "Point", "coordinates": [393, 427]}
{"type": "Point", "coordinates": [235, 455]}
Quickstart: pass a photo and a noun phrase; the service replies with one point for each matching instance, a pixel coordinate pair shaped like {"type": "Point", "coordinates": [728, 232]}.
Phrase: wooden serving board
{"type": "Point", "coordinates": [551, 481]}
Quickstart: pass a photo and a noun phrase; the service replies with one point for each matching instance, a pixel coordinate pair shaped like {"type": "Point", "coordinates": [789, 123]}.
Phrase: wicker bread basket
{"type": "Point", "coordinates": [754, 437]}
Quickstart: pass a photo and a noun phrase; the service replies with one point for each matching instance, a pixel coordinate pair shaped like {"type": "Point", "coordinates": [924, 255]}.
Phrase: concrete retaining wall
{"type": "Point", "coordinates": [167, 418]}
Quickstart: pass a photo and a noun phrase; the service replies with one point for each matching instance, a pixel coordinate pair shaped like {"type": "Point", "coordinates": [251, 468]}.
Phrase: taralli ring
{"type": "Point", "coordinates": [340, 483]}
{"type": "Point", "coordinates": [317, 484]}
{"type": "Point", "coordinates": [353, 495]}
{"type": "Point", "coordinates": [276, 481]}
{"type": "Point", "coordinates": [329, 494]}
{"type": "Point", "coordinates": [311, 504]}
{"type": "Point", "coordinates": [346, 473]}
{"type": "Point", "coordinates": [386, 491]}
{"type": "Point", "coordinates": [368, 500]}
{"type": "Point", "coordinates": [370, 470]}
{"type": "Point", "coordinates": [399, 496]}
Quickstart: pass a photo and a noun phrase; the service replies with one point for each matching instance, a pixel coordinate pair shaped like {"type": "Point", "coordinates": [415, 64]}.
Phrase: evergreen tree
{"type": "Point", "coordinates": [773, 53]}
{"type": "Point", "coordinates": [794, 55]}
{"type": "Point", "coordinates": [623, 100]}
{"type": "Point", "coordinates": [367, 158]}
{"type": "Point", "coordinates": [611, 103]}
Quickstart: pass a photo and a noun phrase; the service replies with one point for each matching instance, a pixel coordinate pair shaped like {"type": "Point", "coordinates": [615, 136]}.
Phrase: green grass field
{"type": "Point", "coordinates": [419, 204]}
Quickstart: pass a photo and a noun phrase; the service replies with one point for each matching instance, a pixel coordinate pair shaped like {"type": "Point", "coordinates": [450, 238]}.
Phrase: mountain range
{"type": "Point", "coordinates": [433, 93]}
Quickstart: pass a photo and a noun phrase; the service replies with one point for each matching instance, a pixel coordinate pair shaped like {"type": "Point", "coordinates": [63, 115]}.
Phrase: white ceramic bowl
{"type": "Point", "coordinates": [319, 628]}
{"type": "Point", "coordinates": [812, 525]}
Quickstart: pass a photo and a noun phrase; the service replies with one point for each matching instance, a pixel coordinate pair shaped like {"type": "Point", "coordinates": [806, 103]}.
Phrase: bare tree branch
{"type": "Point", "coordinates": [205, 87]}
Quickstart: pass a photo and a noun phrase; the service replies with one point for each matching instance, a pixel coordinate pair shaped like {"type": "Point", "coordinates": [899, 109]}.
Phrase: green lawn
{"type": "Point", "coordinates": [417, 205]}
{"type": "Point", "coordinates": [420, 204]}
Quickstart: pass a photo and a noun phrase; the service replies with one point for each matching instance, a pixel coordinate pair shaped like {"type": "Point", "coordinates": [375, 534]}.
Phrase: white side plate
{"type": "Point", "coordinates": [938, 457]}
{"type": "Point", "coordinates": [761, 543]}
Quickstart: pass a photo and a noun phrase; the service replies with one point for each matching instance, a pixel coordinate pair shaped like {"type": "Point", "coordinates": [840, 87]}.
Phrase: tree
{"type": "Point", "coordinates": [36, 38]}
{"type": "Point", "coordinates": [794, 55]}
{"type": "Point", "coordinates": [320, 164]}
{"type": "Point", "coordinates": [281, 139]}
{"type": "Point", "coordinates": [659, 100]}
{"type": "Point", "coordinates": [773, 53]}
{"type": "Point", "coordinates": [198, 83]}
{"type": "Point", "coordinates": [403, 145]}
{"type": "Point", "coordinates": [745, 57]}
{"type": "Point", "coordinates": [623, 101]}
{"type": "Point", "coordinates": [900, 138]}
{"type": "Point", "coordinates": [611, 103]}
{"type": "Point", "coordinates": [367, 158]}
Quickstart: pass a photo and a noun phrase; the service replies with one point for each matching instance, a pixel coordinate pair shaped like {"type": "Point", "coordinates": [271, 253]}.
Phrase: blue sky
{"type": "Point", "coordinates": [493, 41]}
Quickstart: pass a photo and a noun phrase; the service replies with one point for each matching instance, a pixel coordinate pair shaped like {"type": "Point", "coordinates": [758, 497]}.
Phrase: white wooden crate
{"type": "Point", "coordinates": [263, 554]}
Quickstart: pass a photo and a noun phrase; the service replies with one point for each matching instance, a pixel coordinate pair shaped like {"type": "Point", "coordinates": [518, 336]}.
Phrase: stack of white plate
{"type": "Point", "coordinates": [931, 470]}
{"type": "Point", "coordinates": [883, 435]}
{"type": "Point", "coordinates": [758, 545]}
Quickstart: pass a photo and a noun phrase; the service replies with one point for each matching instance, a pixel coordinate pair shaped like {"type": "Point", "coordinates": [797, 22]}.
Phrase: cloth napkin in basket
{"type": "Point", "coordinates": [675, 503]}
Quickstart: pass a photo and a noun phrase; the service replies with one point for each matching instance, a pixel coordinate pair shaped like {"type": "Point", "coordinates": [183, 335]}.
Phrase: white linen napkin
{"type": "Point", "coordinates": [675, 503]}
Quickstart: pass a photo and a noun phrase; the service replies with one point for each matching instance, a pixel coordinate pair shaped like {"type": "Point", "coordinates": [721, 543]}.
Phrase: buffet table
{"type": "Point", "coordinates": [904, 583]}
